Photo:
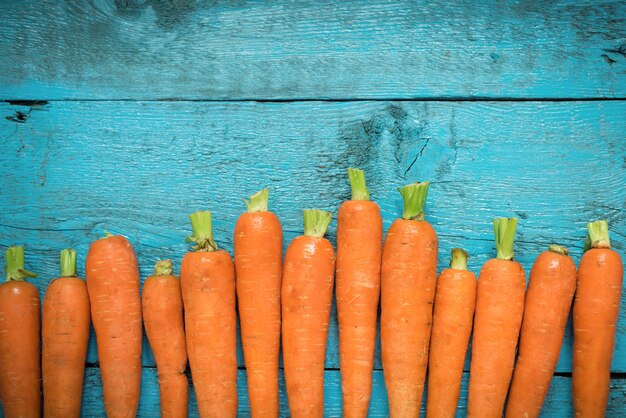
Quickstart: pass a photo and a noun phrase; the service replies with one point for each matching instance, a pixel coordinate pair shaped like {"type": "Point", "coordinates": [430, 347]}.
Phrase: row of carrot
{"type": "Point", "coordinates": [194, 319]}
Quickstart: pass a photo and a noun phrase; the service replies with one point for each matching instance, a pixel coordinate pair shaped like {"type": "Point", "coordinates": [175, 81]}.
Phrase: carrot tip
{"type": "Point", "coordinates": [15, 265]}
{"type": "Point", "coordinates": [414, 196]}
{"type": "Point", "coordinates": [258, 201]}
{"type": "Point", "coordinates": [68, 263]}
{"type": "Point", "coordinates": [559, 249]}
{"type": "Point", "coordinates": [358, 185]}
{"type": "Point", "coordinates": [163, 268]}
{"type": "Point", "coordinates": [459, 259]}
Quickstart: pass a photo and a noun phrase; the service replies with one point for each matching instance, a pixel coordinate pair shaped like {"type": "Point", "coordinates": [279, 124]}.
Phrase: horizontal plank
{"type": "Point", "coordinates": [73, 170]}
{"type": "Point", "coordinates": [307, 49]}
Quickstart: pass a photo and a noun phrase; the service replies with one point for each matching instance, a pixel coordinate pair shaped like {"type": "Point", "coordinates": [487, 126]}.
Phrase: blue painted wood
{"type": "Point", "coordinates": [109, 49]}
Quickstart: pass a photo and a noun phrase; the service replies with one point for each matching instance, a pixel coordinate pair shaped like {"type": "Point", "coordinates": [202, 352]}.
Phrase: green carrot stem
{"type": "Point", "coordinates": [15, 265]}
{"type": "Point", "coordinates": [68, 263]}
{"type": "Point", "coordinates": [414, 196]}
{"type": "Point", "coordinates": [357, 182]}
{"type": "Point", "coordinates": [599, 234]}
{"type": "Point", "coordinates": [202, 231]}
{"type": "Point", "coordinates": [559, 249]}
{"type": "Point", "coordinates": [258, 201]}
{"type": "Point", "coordinates": [163, 268]}
{"type": "Point", "coordinates": [459, 259]}
{"type": "Point", "coordinates": [504, 231]}
{"type": "Point", "coordinates": [316, 222]}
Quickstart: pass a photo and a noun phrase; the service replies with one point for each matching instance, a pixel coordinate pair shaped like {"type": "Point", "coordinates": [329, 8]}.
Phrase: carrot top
{"type": "Point", "coordinates": [68, 262]}
{"type": "Point", "coordinates": [414, 196]}
{"type": "Point", "coordinates": [202, 231]}
{"type": "Point", "coordinates": [598, 235]}
{"type": "Point", "coordinates": [163, 268]}
{"type": "Point", "coordinates": [316, 222]}
{"type": "Point", "coordinates": [258, 201]}
{"type": "Point", "coordinates": [504, 231]}
{"type": "Point", "coordinates": [15, 265]}
{"type": "Point", "coordinates": [558, 249]}
{"type": "Point", "coordinates": [459, 259]}
{"type": "Point", "coordinates": [357, 183]}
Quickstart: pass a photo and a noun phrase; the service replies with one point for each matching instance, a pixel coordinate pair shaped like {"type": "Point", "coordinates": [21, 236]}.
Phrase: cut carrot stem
{"type": "Point", "coordinates": [558, 249]}
{"type": "Point", "coordinates": [459, 259]}
{"type": "Point", "coordinates": [202, 231]}
{"type": "Point", "coordinates": [258, 201]}
{"type": "Point", "coordinates": [68, 263]}
{"type": "Point", "coordinates": [414, 196]}
{"type": "Point", "coordinates": [357, 182]}
{"type": "Point", "coordinates": [163, 268]}
{"type": "Point", "coordinates": [15, 265]}
{"type": "Point", "coordinates": [599, 234]}
{"type": "Point", "coordinates": [504, 231]}
{"type": "Point", "coordinates": [316, 222]}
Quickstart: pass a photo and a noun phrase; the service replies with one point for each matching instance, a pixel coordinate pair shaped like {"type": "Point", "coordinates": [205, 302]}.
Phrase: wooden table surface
{"type": "Point", "coordinates": [126, 116]}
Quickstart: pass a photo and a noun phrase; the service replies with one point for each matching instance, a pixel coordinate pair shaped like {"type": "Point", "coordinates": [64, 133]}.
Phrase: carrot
{"type": "Point", "coordinates": [20, 373]}
{"type": "Point", "coordinates": [65, 333]}
{"type": "Point", "coordinates": [455, 300]}
{"type": "Point", "coordinates": [207, 278]}
{"type": "Point", "coordinates": [550, 291]}
{"type": "Point", "coordinates": [258, 262]}
{"type": "Point", "coordinates": [497, 321]}
{"type": "Point", "coordinates": [359, 250]}
{"type": "Point", "coordinates": [307, 294]}
{"type": "Point", "coordinates": [408, 280]}
{"type": "Point", "coordinates": [162, 304]}
{"type": "Point", "coordinates": [113, 286]}
{"type": "Point", "coordinates": [596, 308]}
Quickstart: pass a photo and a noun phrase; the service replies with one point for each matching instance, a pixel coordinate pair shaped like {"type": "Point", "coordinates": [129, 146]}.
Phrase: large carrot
{"type": "Point", "coordinates": [65, 333]}
{"type": "Point", "coordinates": [497, 322]}
{"type": "Point", "coordinates": [113, 286]}
{"type": "Point", "coordinates": [20, 373]}
{"type": "Point", "coordinates": [596, 308]}
{"type": "Point", "coordinates": [359, 250]}
{"type": "Point", "coordinates": [258, 264]}
{"type": "Point", "coordinates": [208, 285]}
{"type": "Point", "coordinates": [408, 280]}
{"type": "Point", "coordinates": [452, 326]}
{"type": "Point", "coordinates": [550, 290]}
{"type": "Point", "coordinates": [307, 294]}
{"type": "Point", "coordinates": [162, 304]}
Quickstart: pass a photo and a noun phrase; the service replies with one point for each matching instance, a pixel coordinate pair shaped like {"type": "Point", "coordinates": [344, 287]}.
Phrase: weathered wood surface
{"type": "Point", "coordinates": [307, 49]}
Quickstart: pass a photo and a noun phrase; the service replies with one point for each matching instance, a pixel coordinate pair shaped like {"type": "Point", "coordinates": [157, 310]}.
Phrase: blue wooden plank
{"type": "Point", "coordinates": [52, 49]}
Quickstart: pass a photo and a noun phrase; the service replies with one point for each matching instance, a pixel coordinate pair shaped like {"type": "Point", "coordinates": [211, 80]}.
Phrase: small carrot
{"type": "Point", "coordinates": [162, 304]}
{"type": "Point", "coordinates": [455, 300]}
{"type": "Point", "coordinates": [497, 321]}
{"type": "Point", "coordinates": [66, 320]}
{"type": "Point", "coordinates": [113, 287]}
{"type": "Point", "coordinates": [207, 278]}
{"type": "Point", "coordinates": [596, 309]}
{"type": "Point", "coordinates": [307, 293]}
{"type": "Point", "coordinates": [408, 281]}
{"type": "Point", "coordinates": [20, 373]}
{"type": "Point", "coordinates": [258, 240]}
{"type": "Point", "coordinates": [550, 291]}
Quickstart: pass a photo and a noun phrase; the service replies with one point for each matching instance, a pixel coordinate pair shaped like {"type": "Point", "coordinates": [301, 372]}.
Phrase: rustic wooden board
{"type": "Point", "coordinates": [307, 49]}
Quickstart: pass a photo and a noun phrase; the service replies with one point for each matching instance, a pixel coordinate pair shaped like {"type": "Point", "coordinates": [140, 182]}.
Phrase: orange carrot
{"type": "Point", "coordinates": [359, 250]}
{"type": "Point", "coordinates": [20, 373]}
{"type": "Point", "coordinates": [258, 263]}
{"type": "Point", "coordinates": [307, 293]}
{"type": "Point", "coordinates": [162, 304]}
{"type": "Point", "coordinates": [408, 280]}
{"type": "Point", "coordinates": [452, 326]}
{"type": "Point", "coordinates": [113, 286]}
{"type": "Point", "coordinates": [498, 318]}
{"type": "Point", "coordinates": [550, 291]}
{"type": "Point", "coordinates": [65, 333]}
{"type": "Point", "coordinates": [207, 278]}
{"type": "Point", "coordinates": [596, 308]}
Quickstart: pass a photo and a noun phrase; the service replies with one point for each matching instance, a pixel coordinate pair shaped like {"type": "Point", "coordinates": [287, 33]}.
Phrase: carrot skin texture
{"type": "Point", "coordinates": [408, 282]}
{"type": "Point", "coordinates": [258, 246]}
{"type": "Point", "coordinates": [208, 288]}
{"type": "Point", "coordinates": [66, 319]}
{"type": "Point", "coordinates": [20, 373]}
{"type": "Point", "coordinates": [113, 286]}
{"type": "Point", "coordinates": [307, 297]}
{"type": "Point", "coordinates": [162, 304]}
{"type": "Point", "coordinates": [453, 316]}
{"type": "Point", "coordinates": [596, 309]}
{"type": "Point", "coordinates": [497, 322]}
{"type": "Point", "coordinates": [551, 288]}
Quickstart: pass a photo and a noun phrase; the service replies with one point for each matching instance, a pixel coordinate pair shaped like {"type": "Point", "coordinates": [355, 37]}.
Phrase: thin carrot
{"type": "Point", "coordinates": [113, 286]}
{"type": "Point", "coordinates": [497, 321]}
{"type": "Point", "coordinates": [162, 304]}
{"type": "Point", "coordinates": [207, 278]}
{"type": "Point", "coordinates": [455, 300]}
{"type": "Point", "coordinates": [408, 281]}
{"type": "Point", "coordinates": [359, 251]}
{"type": "Point", "coordinates": [596, 308]}
{"type": "Point", "coordinates": [307, 293]}
{"type": "Point", "coordinates": [20, 373]}
{"type": "Point", "coordinates": [258, 240]}
{"type": "Point", "coordinates": [550, 291]}
{"type": "Point", "coordinates": [65, 326]}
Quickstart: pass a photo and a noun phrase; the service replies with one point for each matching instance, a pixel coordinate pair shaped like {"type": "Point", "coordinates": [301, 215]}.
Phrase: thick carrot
{"type": "Point", "coordinates": [20, 373]}
{"type": "Point", "coordinates": [207, 278]}
{"type": "Point", "coordinates": [452, 326]}
{"type": "Point", "coordinates": [113, 286]}
{"type": "Point", "coordinates": [258, 264]}
{"type": "Point", "coordinates": [162, 304]}
{"type": "Point", "coordinates": [596, 308]}
{"type": "Point", "coordinates": [408, 280]}
{"type": "Point", "coordinates": [307, 294]}
{"type": "Point", "coordinates": [359, 251]}
{"type": "Point", "coordinates": [548, 300]}
{"type": "Point", "coordinates": [497, 322]}
{"type": "Point", "coordinates": [65, 332]}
